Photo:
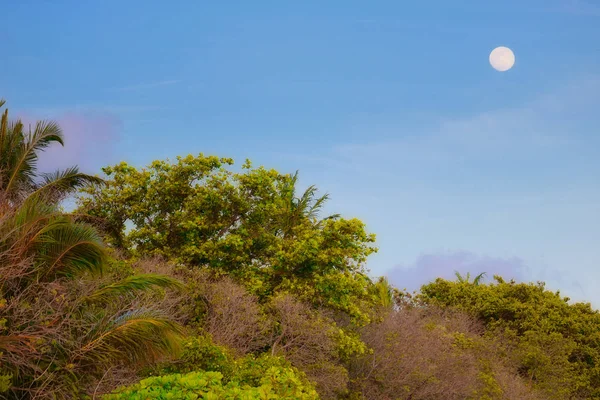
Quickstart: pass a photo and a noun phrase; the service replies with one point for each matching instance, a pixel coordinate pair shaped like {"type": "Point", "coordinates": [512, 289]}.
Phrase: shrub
{"type": "Point", "coordinates": [201, 354]}
{"type": "Point", "coordinates": [276, 383]}
{"type": "Point", "coordinates": [432, 354]}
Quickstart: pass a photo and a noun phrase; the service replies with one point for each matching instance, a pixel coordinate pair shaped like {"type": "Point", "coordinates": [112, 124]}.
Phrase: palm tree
{"type": "Point", "coordinates": [307, 206]}
{"type": "Point", "coordinates": [20, 151]}
{"type": "Point", "coordinates": [61, 322]}
{"type": "Point", "coordinates": [384, 293]}
{"type": "Point", "coordinates": [466, 278]}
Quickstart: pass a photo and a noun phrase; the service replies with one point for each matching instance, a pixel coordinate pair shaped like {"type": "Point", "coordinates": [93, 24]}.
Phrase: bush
{"type": "Point", "coordinates": [276, 383]}
{"type": "Point", "coordinates": [432, 354]}
{"type": "Point", "coordinates": [201, 354]}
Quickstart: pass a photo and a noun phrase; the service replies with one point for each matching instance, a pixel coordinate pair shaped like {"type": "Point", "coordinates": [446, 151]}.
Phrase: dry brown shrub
{"type": "Point", "coordinates": [304, 337]}
{"type": "Point", "coordinates": [232, 316]}
{"type": "Point", "coordinates": [431, 354]}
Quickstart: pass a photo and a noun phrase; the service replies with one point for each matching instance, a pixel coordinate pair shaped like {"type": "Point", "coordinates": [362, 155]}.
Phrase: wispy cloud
{"type": "Point", "coordinates": [143, 86]}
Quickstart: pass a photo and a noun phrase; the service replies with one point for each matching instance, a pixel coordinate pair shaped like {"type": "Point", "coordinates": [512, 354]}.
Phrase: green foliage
{"type": "Point", "coordinates": [275, 384]}
{"type": "Point", "coordinates": [383, 293]}
{"type": "Point", "coordinates": [201, 354]}
{"type": "Point", "coordinates": [555, 343]}
{"type": "Point", "coordinates": [348, 344]}
{"type": "Point", "coordinates": [5, 381]}
{"type": "Point", "coordinates": [249, 225]}
{"type": "Point", "coordinates": [490, 389]}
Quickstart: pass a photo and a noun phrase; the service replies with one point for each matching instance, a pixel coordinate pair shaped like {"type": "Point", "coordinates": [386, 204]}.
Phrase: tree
{"type": "Point", "coordinates": [249, 225]}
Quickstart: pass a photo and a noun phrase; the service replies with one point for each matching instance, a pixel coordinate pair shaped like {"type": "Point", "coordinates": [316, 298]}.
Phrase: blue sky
{"type": "Point", "coordinates": [391, 107]}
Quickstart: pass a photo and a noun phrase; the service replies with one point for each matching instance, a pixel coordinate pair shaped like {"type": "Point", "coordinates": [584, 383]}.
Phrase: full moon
{"type": "Point", "coordinates": [502, 58]}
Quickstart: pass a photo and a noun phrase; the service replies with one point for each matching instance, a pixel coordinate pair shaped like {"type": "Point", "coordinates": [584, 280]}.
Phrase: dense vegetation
{"type": "Point", "coordinates": [188, 280]}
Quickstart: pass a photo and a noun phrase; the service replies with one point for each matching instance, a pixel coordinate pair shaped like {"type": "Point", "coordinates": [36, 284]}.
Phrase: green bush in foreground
{"type": "Point", "coordinates": [277, 383]}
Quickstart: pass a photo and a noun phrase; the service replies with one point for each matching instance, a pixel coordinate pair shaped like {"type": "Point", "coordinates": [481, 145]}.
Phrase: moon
{"type": "Point", "coordinates": [502, 58]}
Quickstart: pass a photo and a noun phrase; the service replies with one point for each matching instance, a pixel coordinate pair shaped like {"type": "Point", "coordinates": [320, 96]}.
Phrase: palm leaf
{"type": "Point", "coordinates": [138, 336]}
{"type": "Point", "coordinates": [479, 278]}
{"type": "Point", "coordinates": [25, 152]}
{"type": "Point", "coordinates": [129, 286]}
{"type": "Point", "coordinates": [58, 184]}
{"type": "Point", "coordinates": [68, 247]}
{"type": "Point", "coordinates": [460, 278]}
{"type": "Point", "coordinates": [25, 223]}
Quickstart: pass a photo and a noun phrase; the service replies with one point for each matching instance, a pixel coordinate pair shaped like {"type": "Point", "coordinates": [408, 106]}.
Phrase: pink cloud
{"type": "Point", "coordinates": [428, 267]}
{"type": "Point", "coordinates": [90, 141]}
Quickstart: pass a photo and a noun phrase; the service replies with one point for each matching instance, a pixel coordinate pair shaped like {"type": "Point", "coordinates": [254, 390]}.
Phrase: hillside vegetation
{"type": "Point", "coordinates": [187, 279]}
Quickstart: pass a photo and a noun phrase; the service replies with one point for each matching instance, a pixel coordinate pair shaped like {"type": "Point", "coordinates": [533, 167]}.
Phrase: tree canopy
{"type": "Point", "coordinates": [250, 225]}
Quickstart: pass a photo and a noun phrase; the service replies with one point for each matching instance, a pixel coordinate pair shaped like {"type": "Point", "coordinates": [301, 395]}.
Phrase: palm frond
{"type": "Point", "coordinates": [46, 133]}
{"type": "Point", "coordinates": [138, 336]}
{"type": "Point", "coordinates": [129, 286]}
{"type": "Point", "coordinates": [25, 155]}
{"type": "Point", "coordinates": [61, 183]}
{"type": "Point", "coordinates": [70, 248]}
{"type": "Point", "coordinates": [460, 278]}
{"type": "Point", "coordinates": [26, 222]}
{"type": "Point", "coordinates": [479, 278]}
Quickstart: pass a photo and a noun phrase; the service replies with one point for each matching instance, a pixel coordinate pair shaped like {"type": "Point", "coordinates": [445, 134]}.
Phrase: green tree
{"type": "Point", "coordinates": [249, 225]}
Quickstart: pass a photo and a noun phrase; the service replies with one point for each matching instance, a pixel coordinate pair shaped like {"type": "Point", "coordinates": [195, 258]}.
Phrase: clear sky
{"type": "Point", "coordinates": [391, 107]}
